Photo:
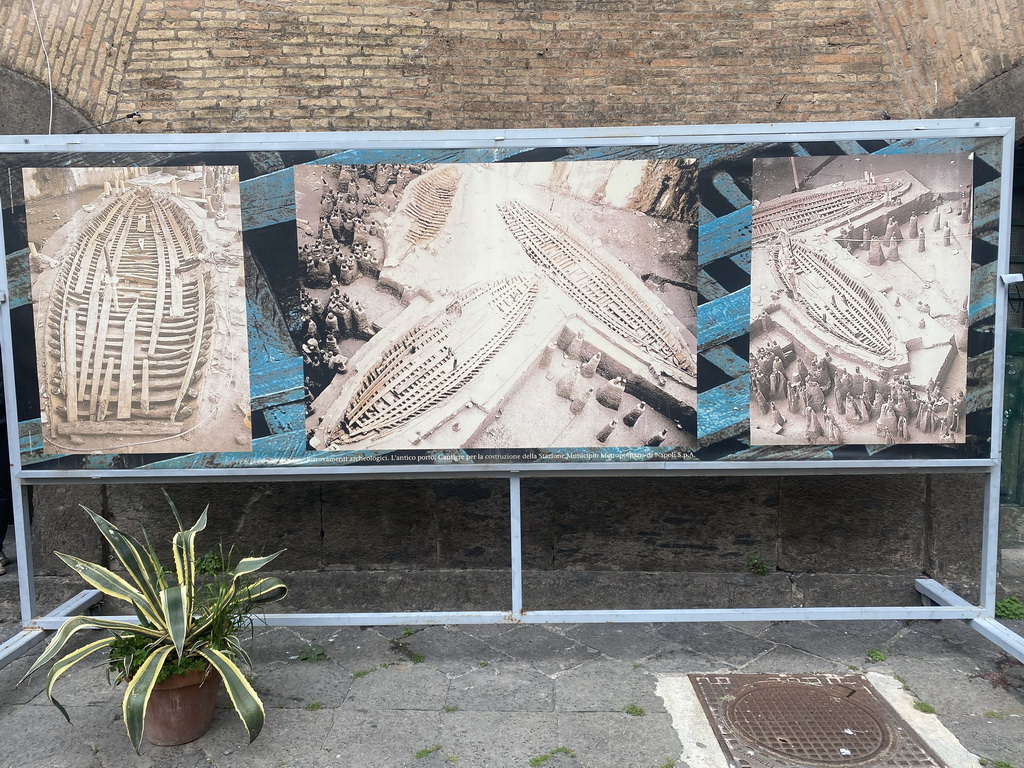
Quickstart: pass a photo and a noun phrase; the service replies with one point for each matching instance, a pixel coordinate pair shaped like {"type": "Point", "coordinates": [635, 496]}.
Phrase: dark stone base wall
{"type": "Point", "coordinates": [610, 542]}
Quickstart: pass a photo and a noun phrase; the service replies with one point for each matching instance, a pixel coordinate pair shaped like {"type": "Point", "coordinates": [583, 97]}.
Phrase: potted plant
{"type": "Point", "coordinates": [186, 636]}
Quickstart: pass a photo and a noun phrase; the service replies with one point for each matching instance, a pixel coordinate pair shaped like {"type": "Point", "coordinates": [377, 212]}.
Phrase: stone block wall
{"type": "Point", "coordinates": [609, 542]}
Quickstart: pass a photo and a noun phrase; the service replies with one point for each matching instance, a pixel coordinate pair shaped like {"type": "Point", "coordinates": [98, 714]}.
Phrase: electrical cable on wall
{"type": "Point", "coordinates": [49, 71]}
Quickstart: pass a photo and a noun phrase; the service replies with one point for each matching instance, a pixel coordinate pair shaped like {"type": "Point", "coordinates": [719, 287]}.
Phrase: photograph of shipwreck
{"type": "Point", "coordinates": [139, 309]}
{"type": "Point", "coordinates": [860, 288]}
{"type": "Point", "coordinates": [511, 311]}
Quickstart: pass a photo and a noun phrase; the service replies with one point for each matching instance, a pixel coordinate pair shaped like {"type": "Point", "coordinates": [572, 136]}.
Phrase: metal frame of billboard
{"type": "Point", "coordinates": [851, 137]}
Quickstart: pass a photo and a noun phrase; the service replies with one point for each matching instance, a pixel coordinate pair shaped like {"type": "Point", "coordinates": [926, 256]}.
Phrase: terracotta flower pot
{"type": "Point", "coordinates": [181, 707]}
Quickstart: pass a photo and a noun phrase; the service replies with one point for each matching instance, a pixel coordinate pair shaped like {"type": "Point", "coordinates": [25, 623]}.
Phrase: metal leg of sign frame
{"type": "Point", "coordinates": [34, 629]}
{"type": "Point", "coordinates": [935, 593]}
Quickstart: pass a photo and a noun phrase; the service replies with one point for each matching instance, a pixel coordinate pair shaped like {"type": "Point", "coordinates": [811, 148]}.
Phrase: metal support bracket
{"type": "Point", "coordinates": [986, 624]}
{"type": "Point", "coordinates": [35, 632]}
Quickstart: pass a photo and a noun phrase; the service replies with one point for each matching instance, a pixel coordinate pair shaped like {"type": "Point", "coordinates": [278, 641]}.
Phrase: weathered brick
{"type": "Point", "coordinates": [546, 62]}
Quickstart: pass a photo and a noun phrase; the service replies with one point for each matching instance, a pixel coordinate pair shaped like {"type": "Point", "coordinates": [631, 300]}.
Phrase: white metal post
{"type": "Point", "coordinates": [515, 514]}
{"type": "Point", "coordinates": [26, 573]}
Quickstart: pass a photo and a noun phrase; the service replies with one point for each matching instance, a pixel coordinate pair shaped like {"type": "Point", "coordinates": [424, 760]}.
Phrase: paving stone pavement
{"type": "Point", "coordinates": [491, 696]}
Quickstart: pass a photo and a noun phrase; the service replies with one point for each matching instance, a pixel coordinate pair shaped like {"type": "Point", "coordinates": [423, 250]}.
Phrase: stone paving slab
{"type": "Point", "coordinates": [299, 685]}
{"type": "Point", "coordinates": [542, 647]}
{"type": "Point", "coordinates": [954, 691]}
{"type": "Point", "coordinates": [448, 648]}
{"type": "Point", "coordinates": [783, 658]}
{"type": "Point", "coordinates": [403, 686]}
{"type": "Point", "coordinates": [849, 639]}
{"type": "Point", "coordinates": [39, 736]}
{"type": "Point", "coordinates": [715, 641]}
{"type": "Point", "coordinates": [503, 687]}
{"type": "Point", "coordinates": [292, 738]}
{"type": "Point", "coordinates": [605, 686]}
{"type": "Point", "coordinates": [492, 739]}
{"type": "Point", "coordinates": [379, 739]}
{"type": "Point", "coordinates": [355, 648]}
{"type": "Point", "coordinates": [618, 740]}
{"type": "Point", "coordinates": [623, 642]}
{"type": "Point", "coordinates": [676, 659]}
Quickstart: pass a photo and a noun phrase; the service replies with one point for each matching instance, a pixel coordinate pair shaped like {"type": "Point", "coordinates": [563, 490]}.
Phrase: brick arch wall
{"type": "Point", "coordinates": [89, 45]}
{"type": "Point", "coordinates": [215, 65]}
{"type": "Point", "coordinates": [33, 114]}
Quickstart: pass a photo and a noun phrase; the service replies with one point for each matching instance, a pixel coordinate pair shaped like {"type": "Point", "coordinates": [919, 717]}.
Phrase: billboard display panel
{"type": "Point", "coordinates": [555, 300]}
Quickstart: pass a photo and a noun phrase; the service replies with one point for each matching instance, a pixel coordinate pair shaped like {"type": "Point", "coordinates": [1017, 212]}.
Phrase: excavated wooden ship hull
{"type": "Point", "coordinates": [433, 360]}
{"type": "Point", "coordinates": [129, 321]}
{"type": "Point", "coordinates": [607, 293]}
{"type": "Point", "coordinates": [800, 211]}
{"type": "Point", "coordinates": [836, 303]}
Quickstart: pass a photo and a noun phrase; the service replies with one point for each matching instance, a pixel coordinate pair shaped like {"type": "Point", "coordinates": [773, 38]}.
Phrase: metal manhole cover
{"type": "Point", "coordinates": [808, 721]}
{"type": "Point", "coordinates": [817, 725]}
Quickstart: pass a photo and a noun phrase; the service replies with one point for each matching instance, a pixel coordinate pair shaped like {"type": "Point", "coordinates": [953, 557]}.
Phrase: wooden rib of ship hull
{"type": "Point", "coordinates": [128, 328]}
{"type": "Point", "coordinates": [601, 289]}
{"type": "Point", "coordinates": [435, 359]}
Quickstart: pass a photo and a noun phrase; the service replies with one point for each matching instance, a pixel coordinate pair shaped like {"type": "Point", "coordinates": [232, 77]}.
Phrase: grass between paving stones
{"type": "Point", "coordinates": [313, 706]}
{"type": "Point", "coordinates": [876, 656]}
{"type": "Point", "coordinates": [634, 709]}
{"type": "Point", "coordinates": [996, 764]}
{"type": "Point", "coordinates": [365, 672]}
{"type": "Point", "coordinates": [541, 759]}
{"type": "Point", "coordinates": [399, 647]}
{"type": "Point", "coordinates": [924, 706]}
{"type": "Point", "coordinates": [428, 750]}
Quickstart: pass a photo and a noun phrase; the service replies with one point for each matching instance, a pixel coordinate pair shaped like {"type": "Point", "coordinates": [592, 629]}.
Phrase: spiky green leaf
{"type": "Point", "coordinates": [109, 583]}
{"type": "Point", "coordinates": [174, 509]}
{"type": "Point", "coordinates": [136, 697]}
{"type": "Point", "coordinates": [268, 590]}
{"type": "Point", "coordinates": [78, 623]}
{"type": "Point", "coordinates": [62, 666]}
{"type": "Point", "coordinates": [245, 700]}
{"type": "Point", "coordinates": [184, 548]}
{"type": "Point", "coordinates": [138, 560]}
{"type": "Point", "coordinates": [250, 564]}
{"type": "Point", "coordinates": [236, 650]}
{"type": "Point", "coordinates": [175, 604]}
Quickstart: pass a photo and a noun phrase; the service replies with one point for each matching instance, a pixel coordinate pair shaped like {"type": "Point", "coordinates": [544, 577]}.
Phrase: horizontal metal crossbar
{"type": "Point", "coordinates": [470, 139]}
{"type": "Point", "coordinates": [697, 468]}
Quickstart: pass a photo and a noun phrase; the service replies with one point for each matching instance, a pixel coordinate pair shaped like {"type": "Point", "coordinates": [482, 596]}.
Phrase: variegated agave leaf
{"type": "Point", "coordinates": [243, 697]}
{"type": "Point", "coordinates": [136, 697]}
{"type": "Point", "coordinates": [138, 560]}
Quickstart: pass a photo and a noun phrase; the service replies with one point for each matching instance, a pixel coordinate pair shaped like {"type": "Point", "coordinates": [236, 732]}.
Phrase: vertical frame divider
{"type": "Point", "coordinates": [26, 572]}
{"type": "Point", "coordinates": [990, 545]}
{"type": "Point", "coordinates": [516, 526]}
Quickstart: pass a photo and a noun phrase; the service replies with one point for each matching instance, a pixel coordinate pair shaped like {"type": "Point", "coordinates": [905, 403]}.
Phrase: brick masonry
{"type": "Point", "coordinates": [216, 65]}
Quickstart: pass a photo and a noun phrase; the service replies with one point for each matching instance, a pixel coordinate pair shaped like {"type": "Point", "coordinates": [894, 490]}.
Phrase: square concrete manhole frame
{"type": "Point", "coordinates": [808, 721]}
